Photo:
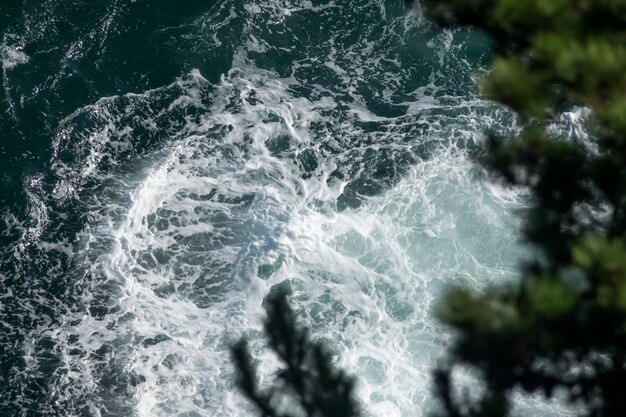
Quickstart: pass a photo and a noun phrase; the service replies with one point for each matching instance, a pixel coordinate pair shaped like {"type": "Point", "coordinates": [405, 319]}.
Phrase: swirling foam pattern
{"type": "Point", "coordinates": [171, 163]}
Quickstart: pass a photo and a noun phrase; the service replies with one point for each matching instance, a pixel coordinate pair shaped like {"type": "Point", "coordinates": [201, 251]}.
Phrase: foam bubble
{"type": "Point", "coordinates": [12, 55]}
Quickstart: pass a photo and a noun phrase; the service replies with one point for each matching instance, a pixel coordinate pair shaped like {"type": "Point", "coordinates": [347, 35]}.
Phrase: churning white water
{"type": "Point", "coordinates": [334, 162]}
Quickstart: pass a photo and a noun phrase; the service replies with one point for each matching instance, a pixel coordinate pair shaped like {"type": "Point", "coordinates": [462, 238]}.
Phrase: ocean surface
{"type": "Point", "coordinates": [165, 164]}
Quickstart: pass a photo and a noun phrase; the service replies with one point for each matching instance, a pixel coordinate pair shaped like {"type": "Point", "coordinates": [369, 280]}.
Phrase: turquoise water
{"type": "Point", "coordinates": [164, 165]}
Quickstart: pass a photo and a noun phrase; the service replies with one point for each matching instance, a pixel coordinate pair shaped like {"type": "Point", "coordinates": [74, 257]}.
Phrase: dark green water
{"type": "Point", "coordinates": [164, 164]}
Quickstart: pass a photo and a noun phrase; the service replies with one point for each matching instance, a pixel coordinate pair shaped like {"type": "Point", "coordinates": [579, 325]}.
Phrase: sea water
{"type": "Point", "coordinates": [165, 165]}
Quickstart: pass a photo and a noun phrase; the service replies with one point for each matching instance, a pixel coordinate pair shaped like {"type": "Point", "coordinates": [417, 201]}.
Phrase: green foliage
{"type": "Point", "coordinates": [308, 382]}
{"type": "Point", "coordinates": [563, 325]}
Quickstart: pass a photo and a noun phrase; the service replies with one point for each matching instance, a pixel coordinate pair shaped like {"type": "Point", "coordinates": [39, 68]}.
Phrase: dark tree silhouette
{"type": "Point", "coordinates": [308, 380]}
{"type": "Point", "coordinates": [563, 324]}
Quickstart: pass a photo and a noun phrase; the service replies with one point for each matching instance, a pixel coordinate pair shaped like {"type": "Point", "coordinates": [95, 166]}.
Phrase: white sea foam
{"type": "Point", "coordinates": [12, 57]}
{"type": "Point", "coordinates": [264, 185]}
{"type": "Point", "coordinates": [219, 208]}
